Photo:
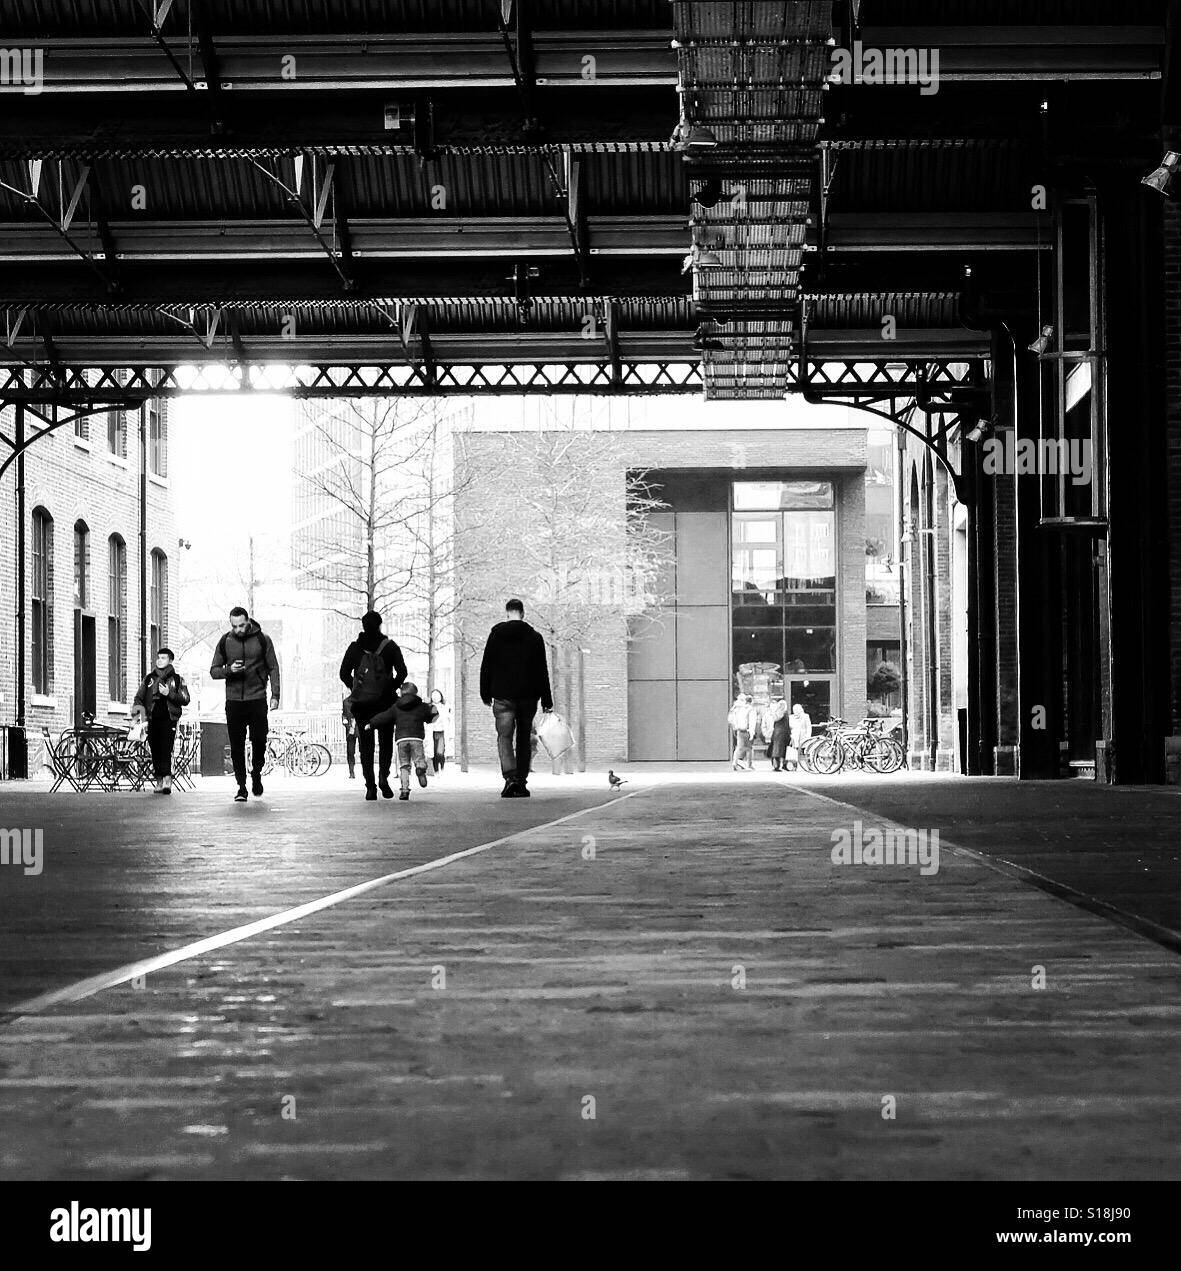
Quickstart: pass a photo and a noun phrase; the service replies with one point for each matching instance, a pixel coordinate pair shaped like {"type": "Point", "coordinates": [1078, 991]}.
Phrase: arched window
{"type": "Point", "coordinates": [159, 601]}
{"type": "Point", "coordinates": [81, 565]}
{"type": "Point", "coordinates": [42, 601]}
{"type": "Point", "coordinates": [117, 619]}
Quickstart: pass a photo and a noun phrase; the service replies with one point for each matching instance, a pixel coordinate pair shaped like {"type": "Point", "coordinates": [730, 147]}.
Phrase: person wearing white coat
{"type": "Point", "coordinates": [744, 720]}
{"type": "Point", "coordinates": [801, 730]}
{"type": "Point", "coordinates": [440, 728]}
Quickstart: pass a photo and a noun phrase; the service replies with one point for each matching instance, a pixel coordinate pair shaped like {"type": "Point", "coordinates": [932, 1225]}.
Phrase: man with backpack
{"type": "Point", "coordinates": [373, 669]}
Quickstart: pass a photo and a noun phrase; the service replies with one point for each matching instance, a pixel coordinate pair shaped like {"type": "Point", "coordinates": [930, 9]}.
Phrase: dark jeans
{"type": "Point", "coordinates": [385, 752]}
{"type": "Point", "coordinates": [514, 721]}
{"type": "Point", "coordinates": [350, 746]}
{"type": "Point", "coordinates": [161, 735]}
{"type": "Point", "coordinates": [240, 716]}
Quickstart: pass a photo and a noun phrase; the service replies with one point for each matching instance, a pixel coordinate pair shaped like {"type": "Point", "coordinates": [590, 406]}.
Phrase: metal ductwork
{"type": "Point", "coordinates": [751, 79]}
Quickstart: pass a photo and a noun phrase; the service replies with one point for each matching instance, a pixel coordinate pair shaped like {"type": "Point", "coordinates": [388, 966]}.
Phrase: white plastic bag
{"type": "Point", "coordinates": [554, 734]}
{"type": "Point", "coordinates": [138, 731]}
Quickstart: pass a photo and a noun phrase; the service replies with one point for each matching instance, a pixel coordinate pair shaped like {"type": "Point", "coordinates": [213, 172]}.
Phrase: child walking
{"type": "Point", "coordinates": [409, 716]}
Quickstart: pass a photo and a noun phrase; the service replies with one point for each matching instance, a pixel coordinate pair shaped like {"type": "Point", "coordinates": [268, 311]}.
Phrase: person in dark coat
{"type": "Point", "coordinates": [245, 659]}
{"type": "Point", "coordinates": [160, 700]}
{"type": "Point", "coordinates": [373, 688]}
{"type": "Point", "coordinates": [514, 678]}
{"type": "Point", "coordinates": [350, 738]}
{"type": "Point", "coordinates": [409, 717]}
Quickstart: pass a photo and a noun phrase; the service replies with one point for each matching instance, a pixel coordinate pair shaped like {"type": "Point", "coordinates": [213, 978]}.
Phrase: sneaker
{"type": "Point", "coordinates": [421, 777]}
{"type": "Point", "coordinates": [520, 791]}
{"type": "Point", "coordinates": [241, 796]}
{"type": "Point", "coordinates": [168, 785]}
{"type": "Point", "coordinates": [404, 794]}
{"type": "Point", "coordinates": [384, 786]}
{"type": "Point", "coordinates": [509, 791]}
{"type": "Point", "coordinates": [370, 794]}
{"type": "Point", "coordinates": [257, 786]}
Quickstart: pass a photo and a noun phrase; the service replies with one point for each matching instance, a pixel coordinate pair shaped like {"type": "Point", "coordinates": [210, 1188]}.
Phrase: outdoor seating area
{"type": "Point", "coordinates": [99, 757]}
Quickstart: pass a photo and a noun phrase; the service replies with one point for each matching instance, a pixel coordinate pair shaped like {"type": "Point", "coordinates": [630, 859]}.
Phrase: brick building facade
{"type": "Point", "coordinates": [99, 568]}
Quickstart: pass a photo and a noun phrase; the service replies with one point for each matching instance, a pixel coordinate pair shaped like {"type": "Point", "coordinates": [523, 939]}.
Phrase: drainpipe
{"type": "Point", "coordinates": [143, 542]}
{"type": "Point", "coordinates": [21, 579]}
{"type": "Point", "coordinates": [904, 575]}
{"type": "Point", "coordinates": [932, 602]}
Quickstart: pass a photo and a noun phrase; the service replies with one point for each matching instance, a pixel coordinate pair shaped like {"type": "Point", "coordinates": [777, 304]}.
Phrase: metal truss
{"type": "Point", "coordinates": [862, 383]}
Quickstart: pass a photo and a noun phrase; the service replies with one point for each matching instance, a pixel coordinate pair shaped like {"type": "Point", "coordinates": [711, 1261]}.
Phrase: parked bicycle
{"type": "Point", "coordinates": [866, 746]}
{"type": "Point", "coordinates": [292, 750]}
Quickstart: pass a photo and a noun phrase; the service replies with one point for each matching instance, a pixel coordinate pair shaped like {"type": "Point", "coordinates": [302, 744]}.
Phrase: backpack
{"type": "Point", "coordinates": [371, 679]}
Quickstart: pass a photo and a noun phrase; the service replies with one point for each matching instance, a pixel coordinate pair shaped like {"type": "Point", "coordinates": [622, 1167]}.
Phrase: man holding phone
{"type": "Point", "coordinates": [245, 659]}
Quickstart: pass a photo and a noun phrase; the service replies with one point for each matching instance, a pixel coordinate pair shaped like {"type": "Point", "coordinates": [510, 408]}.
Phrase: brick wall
{"type": "Point", "coordinates": [75, 482]}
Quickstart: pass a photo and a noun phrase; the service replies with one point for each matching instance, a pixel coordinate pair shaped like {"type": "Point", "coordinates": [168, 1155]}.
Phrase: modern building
{"type": "Point", "coordinates": [98, 568]}
{"type": "Point", "coordinates": [764, 589]}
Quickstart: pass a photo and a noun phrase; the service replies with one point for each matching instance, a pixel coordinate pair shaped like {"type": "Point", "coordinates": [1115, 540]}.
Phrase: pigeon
{"type": "Point", "coordinates": [615, 782]}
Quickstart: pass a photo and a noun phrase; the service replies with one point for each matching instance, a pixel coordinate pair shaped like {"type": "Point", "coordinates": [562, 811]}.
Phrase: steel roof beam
{"type": "Point", "coordinates": [198, 282]}
{"type": "Point", "coordinates": [448, 348]}
{"type": "Point", "coordinates": [462, 120]}
{"type": "Point", "coordinates": [385, 61]}
{"type": "Point", "coordinates": [1043, 53]}
{"type": "Point", "coordinates": [402, 238]}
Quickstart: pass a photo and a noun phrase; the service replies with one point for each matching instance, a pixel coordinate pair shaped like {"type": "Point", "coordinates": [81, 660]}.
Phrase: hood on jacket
{"type": "Point", "coordinates": [252, 629]}
{"type": "Point", "coordinates": [408, 701]}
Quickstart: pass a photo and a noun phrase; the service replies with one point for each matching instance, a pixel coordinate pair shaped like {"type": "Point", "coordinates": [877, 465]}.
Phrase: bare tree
{"type": "Point", "coordinates": [355, 553]}
{"type": "Point", "coordinates": [585, 548]}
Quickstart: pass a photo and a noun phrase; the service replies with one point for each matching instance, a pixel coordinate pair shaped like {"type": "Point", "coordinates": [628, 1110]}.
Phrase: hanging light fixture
{"type": "Point", "coordinates": [1042, 343]}
{"type": "Point", "coordinates": [1161, 179]}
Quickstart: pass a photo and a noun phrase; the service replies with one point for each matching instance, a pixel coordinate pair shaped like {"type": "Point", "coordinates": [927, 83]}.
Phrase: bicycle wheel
{"type": "Point", "coordinates": [323, 757]}
{"type": "Point", "coordinates": [829, 756]}
{"type": "Point", "coordinates": [876, 755]}
{"type": "Point", "coordinates": [270, 759]}
{"type": "Point", "coordinates": [302, 761]}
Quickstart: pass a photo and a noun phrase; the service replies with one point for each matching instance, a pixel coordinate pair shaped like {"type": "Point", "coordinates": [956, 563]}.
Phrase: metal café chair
{"type": "Point", "coordinates": [185, 756]}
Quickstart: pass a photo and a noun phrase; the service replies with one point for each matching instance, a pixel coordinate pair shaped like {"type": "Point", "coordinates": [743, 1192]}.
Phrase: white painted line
{"type": "Point", "coordinates": [146, 966]}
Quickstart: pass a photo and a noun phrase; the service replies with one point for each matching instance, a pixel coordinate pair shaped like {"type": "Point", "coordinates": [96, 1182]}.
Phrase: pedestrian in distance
{"type": "Point", "coordinates": [245, 659]}
{"type": "Point", "coordinates": [373, 670]}
{"type": "Point", "coordinates": [744, 720]}
{"type": "Point", "coordinates": [514, 678]}
{"type": "Point", "coordinates": [440, 730]}
{"type": "Point", "coordinates": [408, 717]}
{"type": "Point", "coordinates": [776, 729]}
{"type": "Point", "coordinates": [801, 730]}
{"type": "Point", "coordinates": [350, 738]}
{"type": "Point", "coordinates": [160, 700]}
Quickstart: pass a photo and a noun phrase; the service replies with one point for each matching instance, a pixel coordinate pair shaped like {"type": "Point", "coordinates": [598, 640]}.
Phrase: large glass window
{"type": "Point", "coordinates": [81, 565]}
{"type": "Point", "coordinates": [159, 601]}
{"type": "Point", "coordinates": [783, 581]}
{"type": "Point", "coordinates": [158, 439]}
{"type": "Point", "coordinates": [42, 601]}
{"type": "Point", "coordinates": [117, 620]}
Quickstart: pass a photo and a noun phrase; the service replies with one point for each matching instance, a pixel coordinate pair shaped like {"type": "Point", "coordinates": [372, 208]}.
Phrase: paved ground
{"type": "Point", "coordinates": [676, 984]}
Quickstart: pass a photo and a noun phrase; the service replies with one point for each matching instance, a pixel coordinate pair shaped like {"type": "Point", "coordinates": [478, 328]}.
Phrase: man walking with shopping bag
{"type": "Point", "coordinates": [514, 678]}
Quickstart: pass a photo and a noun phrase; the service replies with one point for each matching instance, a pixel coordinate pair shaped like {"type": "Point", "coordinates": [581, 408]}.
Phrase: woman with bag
{"type": "Point", "coordinates": [160, 701]}
{"type": "Point", "coordinates": [801, 730]}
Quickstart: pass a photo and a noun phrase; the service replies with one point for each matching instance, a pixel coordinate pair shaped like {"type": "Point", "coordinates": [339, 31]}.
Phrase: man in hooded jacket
{"type": "Point", "coordinates": [371, 640]}
{"type": "Point", "coordinates": [514, 677]}
{"type": "Point", "coordinates": [245, 659]}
